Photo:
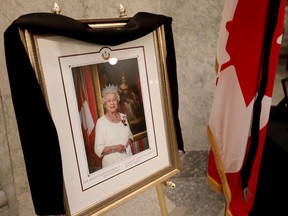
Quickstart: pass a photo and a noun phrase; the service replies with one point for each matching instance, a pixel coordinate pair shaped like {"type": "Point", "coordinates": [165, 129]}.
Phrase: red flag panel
{"type": "Point", "coordinates": [247, 52]}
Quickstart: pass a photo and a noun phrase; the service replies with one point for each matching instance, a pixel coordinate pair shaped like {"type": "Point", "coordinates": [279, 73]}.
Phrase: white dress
{"type": "Point", "coordinates": [109, 134]}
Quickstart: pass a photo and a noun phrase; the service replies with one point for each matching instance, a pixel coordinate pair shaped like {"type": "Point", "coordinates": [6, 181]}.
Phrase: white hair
{"type": "Point", "coordinates": [110, 89]}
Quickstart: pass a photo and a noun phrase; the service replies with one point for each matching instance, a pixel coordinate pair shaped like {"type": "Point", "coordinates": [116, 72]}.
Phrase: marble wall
{"type": "Point", "coordinates": [195, 26]}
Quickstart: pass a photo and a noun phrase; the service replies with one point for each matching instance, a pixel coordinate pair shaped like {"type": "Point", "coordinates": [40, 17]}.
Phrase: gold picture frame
{"type": "Point", "coordinates": [65, 65]}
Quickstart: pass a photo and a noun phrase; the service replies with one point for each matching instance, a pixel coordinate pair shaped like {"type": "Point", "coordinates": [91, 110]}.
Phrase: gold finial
{"type": "Point", "coordinates": [56, 8]}
{"type": "Point", "coordinates": [121, 11]}
{"type": "Point", "coordinates": [170, 184]}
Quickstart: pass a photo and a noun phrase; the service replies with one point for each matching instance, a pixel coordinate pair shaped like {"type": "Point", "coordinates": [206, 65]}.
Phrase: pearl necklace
{"type": "Point", "coordinates": [113, 119]}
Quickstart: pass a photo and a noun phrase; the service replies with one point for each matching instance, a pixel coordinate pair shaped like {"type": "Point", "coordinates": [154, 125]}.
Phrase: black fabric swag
{"type": "Point", "coordinates": [272, 187]}
{"type": "Point", "coordinates": [37, 132]}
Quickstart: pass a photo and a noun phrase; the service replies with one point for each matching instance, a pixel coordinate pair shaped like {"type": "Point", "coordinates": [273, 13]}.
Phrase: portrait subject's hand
{"type": "Point", "coordinates": [120, 148]}
{"type": "Point", "coordinates": [129, 142]}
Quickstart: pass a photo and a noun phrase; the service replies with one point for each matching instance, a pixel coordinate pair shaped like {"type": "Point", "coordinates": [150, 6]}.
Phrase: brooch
{"type": "Point", "coordinates": [124, 120]}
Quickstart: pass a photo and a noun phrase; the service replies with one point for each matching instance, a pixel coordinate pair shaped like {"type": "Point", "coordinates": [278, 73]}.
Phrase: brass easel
{"type": "Point", "coordinates": [161, 197]}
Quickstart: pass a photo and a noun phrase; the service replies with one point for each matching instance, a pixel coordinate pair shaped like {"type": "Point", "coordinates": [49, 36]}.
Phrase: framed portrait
{"type": "Point", "coordinates": [285, 87]}
{"type": "Point", "coordinates": [72, 74]}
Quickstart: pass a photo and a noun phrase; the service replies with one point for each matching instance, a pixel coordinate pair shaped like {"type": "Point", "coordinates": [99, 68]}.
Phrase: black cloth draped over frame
{"type": "Point", "coordinates": [37, 132]}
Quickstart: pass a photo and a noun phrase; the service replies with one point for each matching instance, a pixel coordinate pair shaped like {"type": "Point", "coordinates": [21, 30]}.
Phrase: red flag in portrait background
{"type": "Point", "coordinates": [247, 55]}
{"type": "Point", "coordinates": [87, 112]}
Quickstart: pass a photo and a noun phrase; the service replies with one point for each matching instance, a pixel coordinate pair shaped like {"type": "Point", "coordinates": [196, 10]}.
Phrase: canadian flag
{"type": "Point", "coordinates": [247, 55]}
{"type": "Point", "coordinates": [87, 112]}
{"type": "Point", "coordinates": [86, 118]}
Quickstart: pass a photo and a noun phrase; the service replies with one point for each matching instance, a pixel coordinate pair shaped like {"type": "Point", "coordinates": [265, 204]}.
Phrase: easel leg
{"type": "Point", "coordinates": [161, 198]}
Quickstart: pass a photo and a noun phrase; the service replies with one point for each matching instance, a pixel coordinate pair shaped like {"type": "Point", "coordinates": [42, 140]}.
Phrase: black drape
{"type": "Point", "coordinates": [37, 132]}
{"type": "Point", "coordinates": [272, 187]}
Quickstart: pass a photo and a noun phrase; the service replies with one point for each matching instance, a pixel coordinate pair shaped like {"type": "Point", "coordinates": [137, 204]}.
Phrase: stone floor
{"type": "Point", "coordinates": [191, 196]}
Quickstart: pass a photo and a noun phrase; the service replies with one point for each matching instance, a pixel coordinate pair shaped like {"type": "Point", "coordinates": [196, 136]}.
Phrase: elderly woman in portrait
{"type": "Point", "coordinates": [113, 135]}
